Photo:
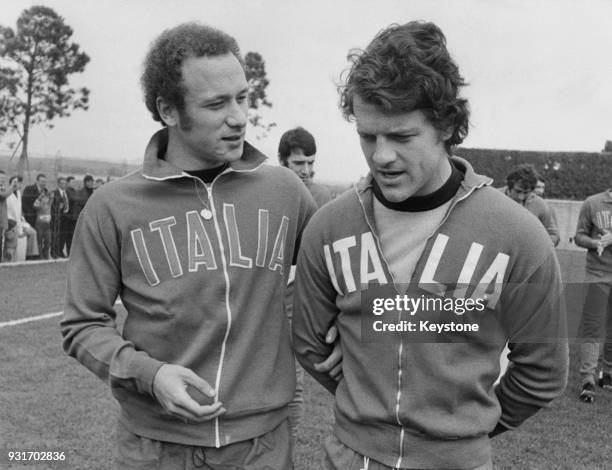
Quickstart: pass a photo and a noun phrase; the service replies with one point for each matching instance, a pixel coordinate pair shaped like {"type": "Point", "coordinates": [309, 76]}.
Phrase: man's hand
{"type": "Point", "coordinates": [606, 239]}
{"type": "Point", "coordinates": [333, 364]}
{"type": "Point", "coordinates": [170, 388]}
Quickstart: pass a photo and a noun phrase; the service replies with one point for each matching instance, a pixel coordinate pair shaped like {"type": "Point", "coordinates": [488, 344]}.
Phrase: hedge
{"type": "Point", "coordinates": [568, 175]}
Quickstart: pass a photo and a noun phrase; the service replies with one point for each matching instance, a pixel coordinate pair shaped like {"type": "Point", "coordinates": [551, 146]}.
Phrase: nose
{"type": "Point", "coordinates": [384, 153]}
{"type": "Point", "coordinates": [237, 115]}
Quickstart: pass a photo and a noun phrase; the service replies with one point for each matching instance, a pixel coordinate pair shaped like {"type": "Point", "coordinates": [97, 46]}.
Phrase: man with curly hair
{"type": "Point", "coordinates": [198, 246]}
{"type": "Point", "coordinates": [520, 186]}
{"type": "Point", "coordinates": [459, 268]}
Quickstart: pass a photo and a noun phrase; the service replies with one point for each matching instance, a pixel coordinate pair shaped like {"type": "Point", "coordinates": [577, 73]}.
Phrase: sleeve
{"type": "Point", "coordinates": [314, 307]}
{"type": "Point", "coordinates": [307, 209]}
{"type": "Point", "coordinates": [534, 316]}
{"type": "Point", "coordinates": [550, 224]}
{"type": "Point", "coordinates": [89, 327]}
{"type": "Point", "coordinates": [584, 228]}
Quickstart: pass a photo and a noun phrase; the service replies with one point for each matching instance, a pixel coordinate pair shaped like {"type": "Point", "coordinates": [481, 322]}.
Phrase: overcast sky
{"type": "Point", "coordinates": [539, 71]}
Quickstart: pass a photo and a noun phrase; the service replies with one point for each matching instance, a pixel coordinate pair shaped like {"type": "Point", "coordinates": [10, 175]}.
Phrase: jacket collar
{"type": "Point", "coordinates": [471, 179]}
{"type": "Point", "coordinates": [471, 182]}
{"type": "Point", "coordinates": [157, 169]}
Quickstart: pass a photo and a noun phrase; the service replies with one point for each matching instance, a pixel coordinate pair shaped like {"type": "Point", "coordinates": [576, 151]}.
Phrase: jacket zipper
{"type": "Point", "coordinates": [401, 345]}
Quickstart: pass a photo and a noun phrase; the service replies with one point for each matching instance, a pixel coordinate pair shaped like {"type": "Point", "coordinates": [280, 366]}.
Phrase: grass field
{"type": "Point", "coordinates": [49, 401]}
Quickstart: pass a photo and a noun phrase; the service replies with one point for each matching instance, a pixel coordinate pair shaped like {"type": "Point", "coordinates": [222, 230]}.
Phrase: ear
{"type": "Point", "coordinates": [167, 112]}
{"type": "Point", "coordinates": [446, 134]}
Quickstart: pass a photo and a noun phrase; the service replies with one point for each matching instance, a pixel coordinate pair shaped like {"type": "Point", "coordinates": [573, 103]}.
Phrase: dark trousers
{"type": "Point", "coordinates": [66, 232]}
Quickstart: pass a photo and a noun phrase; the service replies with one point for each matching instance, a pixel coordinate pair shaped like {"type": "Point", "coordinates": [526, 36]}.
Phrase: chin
{"type": "Point", "coordinates": [395, 195]}
{"type": "Point", "coordinates": [233, 154]}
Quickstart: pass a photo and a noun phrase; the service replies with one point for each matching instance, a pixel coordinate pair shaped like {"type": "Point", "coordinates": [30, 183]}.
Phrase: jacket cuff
{"type": "Point", "coordinates": [147, 368]}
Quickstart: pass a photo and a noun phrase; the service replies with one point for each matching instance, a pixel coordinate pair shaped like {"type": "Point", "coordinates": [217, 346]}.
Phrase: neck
{"type": "Point", "coordinates": [444, 173]}
{"type": "Point", "coordinates": [177, 154]}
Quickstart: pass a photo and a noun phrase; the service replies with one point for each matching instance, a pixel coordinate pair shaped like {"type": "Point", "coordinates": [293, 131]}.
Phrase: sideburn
{"type": "Point", "coordinates": [185, 122]}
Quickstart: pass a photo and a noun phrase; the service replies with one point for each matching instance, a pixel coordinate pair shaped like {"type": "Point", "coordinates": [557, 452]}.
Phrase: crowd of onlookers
{"type": "Point", "coordinates": [44, 218]}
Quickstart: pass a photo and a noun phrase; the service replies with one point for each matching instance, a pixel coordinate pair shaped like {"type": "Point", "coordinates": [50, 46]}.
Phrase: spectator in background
{"type": "Point", "coordinates": [42, 206]}
{"type": "Point", "coordinates": [82, 196]}
{"type": "Point", "coordinates": [69, 221]}
{"type": "Point", "coordinates": [539, 188]}
{"type": "Point", "coordinates": [5, 192]}
{"type": "Point", "coordinates": [14, 206]}
{"type": "Point", "coordinates": [98, 183]}
{"type": "Point", "coordinates": [30, 194]}
{"type": "Point", "coordinates": [59, 209]}
{"type": "Point", "coordinates": [520, 183]}
{"type": "Point", "coordinates": [297, 151]}
{"type": "Point", "coordinates": [594, 232]}
{"type": "Point", "coordinates": [9, 250]}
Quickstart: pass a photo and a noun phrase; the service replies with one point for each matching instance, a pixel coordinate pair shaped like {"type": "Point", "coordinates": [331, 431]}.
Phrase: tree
{"type": "Point", "coordinates": [258, 82]}
{"type": "Point", "coordinates": [38, 58]}
{"type": "Point", "coordinates": [608, 146]}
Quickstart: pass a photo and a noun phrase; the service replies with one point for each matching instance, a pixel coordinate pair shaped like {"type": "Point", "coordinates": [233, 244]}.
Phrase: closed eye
{"type": "Point", "coordinates": [367, 137]}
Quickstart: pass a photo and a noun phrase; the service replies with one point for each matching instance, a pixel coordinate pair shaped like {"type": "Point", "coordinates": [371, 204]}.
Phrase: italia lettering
{"type": "Point", "coordinates": [345, 255]}
{"type": "Point", "coordinates": [370, 264]}
{"type": "Point", "coordinates": [198, 252]}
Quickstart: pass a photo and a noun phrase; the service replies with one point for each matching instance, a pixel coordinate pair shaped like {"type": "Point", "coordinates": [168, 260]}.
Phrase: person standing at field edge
{"type": "Point", "coordinates": [594, 232]}
{"type": "Point", "coordinates": [425, 225]}
{"type": "Point", "coordinates": [297, 150]}
{"type": "Point", "coordinates": [520, 187]}
{"type": "Point", "coordinates": [198, 246]}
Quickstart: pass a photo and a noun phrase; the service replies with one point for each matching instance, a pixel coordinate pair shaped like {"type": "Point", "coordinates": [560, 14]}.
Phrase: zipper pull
{"type": "Point", "coordinates": [206, 213]}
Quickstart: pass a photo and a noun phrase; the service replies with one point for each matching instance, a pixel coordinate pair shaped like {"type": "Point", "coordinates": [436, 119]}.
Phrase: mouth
{"type": "Point", "coordinates": [389, 176]}
{"type": "Point", "coordinates": [233, 138]}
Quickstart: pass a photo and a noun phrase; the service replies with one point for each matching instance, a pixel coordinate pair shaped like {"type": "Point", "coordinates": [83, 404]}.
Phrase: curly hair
{"type": "Point", "coordinates": [296, 138]}
{"type": "Point", "coordinates": [162, 76]}
{"type": "Point", "coordinates": [407, 68]}
{"type": "Point", "coordinates": [525, 174]}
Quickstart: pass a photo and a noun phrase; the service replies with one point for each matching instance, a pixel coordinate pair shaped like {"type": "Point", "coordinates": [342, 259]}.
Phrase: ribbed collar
{"type": "Point", "coordinates": [423, 203]}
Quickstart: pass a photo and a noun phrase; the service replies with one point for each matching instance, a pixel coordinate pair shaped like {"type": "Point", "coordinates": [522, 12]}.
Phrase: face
{"type": "Point", "coordinates": [519, 192]}
{"type": "Point", "coordinates": [209, 130]}
{"type": "Point", "coordinates": [405, 152]}
{"type": "Point", "coordinates": [89, 184]}
{"type": "Point", "coordinates": [61, 183]}
{"type": "Point", "coordinates": [42, 182]}
{"type": "Point", "coordinates": [301, 164]}
{"type": "Point", "coordinates": [539, 188]}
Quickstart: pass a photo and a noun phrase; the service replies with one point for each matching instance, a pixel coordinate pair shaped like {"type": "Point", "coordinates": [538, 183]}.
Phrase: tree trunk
{"type": "Point", "coordinates": [23, 163]}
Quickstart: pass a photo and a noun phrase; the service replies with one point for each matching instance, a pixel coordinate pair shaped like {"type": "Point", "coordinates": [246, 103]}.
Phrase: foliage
{"type": "Point", "coordinates": [568, 175]}
{"type": "Point", "coordinates": [37, 59]}
{"type": "Point", "coordinates": [608, 146]}
{"type": "Point", "coordinates": [258, 82]}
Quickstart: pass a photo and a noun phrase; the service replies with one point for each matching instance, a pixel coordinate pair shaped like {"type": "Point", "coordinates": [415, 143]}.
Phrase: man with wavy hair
{"type": "Point", "coordinates": [424, 227]}
{"type": "Point", "coordinates": [521, 182]}
{"type": "Point", "coordinates": [198, 245]}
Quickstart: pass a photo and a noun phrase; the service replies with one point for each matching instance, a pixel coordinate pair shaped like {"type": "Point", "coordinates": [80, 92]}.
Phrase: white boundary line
{"type": "Point", "coordinates": [29, 319]}
{"type": "Point", "coordinates": [44, 316]}
{"type": "Point", "coordinates": [34, 262]}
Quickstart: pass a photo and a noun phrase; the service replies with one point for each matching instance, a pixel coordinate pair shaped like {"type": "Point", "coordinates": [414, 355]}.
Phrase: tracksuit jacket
{"type": "Point", "coordinates": [205, 294]}
{"type": "Point", "coordinates": [539, 207]}
{"type": "Point", "coordinates": [594, 221]}
{"type": "Point", "coordinates": [418, 403]}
